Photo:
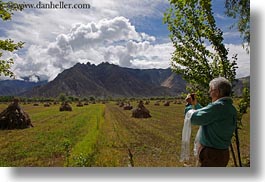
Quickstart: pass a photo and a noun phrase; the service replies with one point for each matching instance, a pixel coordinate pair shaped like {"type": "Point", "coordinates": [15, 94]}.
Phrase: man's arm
{"type": "Point", "coordinates": [189, 107]}
{"type": "Point", "coordinates": [204, 116]}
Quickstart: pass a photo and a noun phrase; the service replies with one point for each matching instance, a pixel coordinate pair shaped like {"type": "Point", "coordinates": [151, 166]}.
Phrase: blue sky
{"type": "Point", "coordinates": [129, 33]}
{"type": "Point", "coordinates": [153, 25]}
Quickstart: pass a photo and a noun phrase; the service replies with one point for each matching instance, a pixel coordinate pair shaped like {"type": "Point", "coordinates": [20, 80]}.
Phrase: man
{"type": "Point", "coordinates": [218, 123]}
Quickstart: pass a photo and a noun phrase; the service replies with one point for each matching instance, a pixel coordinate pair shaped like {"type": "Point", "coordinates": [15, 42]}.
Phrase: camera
{"type": "Point", "coordinates": [191, 98]}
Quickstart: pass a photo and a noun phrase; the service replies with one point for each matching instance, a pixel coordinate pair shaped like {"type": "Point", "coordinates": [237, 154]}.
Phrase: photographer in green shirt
{"type": "Point", "coordinates": [218, 122]}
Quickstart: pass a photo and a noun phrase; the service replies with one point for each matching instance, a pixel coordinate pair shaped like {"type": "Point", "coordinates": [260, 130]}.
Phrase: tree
{"type": "Point", "coordinates": [200, 54]}
{"type": "Point", "coordinates": [6, 11]}
{"type": "Point", "coordinates": [62, 97]}
{"type": "Point", "coordinates": [240, 10]}
{"type": "Point", "coordinates": [92, 99]}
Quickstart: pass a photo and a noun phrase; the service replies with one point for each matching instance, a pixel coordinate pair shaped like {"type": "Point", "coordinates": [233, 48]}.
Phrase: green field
{"type": "Point", "coordinates": [102, 135]}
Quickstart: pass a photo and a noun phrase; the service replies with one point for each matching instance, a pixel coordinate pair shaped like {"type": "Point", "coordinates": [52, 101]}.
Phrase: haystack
{"type": "Point", "coordinates": [167, 103]}
{"type": "Point", "coordinates": [13, 117]}
{"type": "Point", "coordinates": [157, 103]}
{"type": "Point", "coordinates": [79, 104]}
{"type": "Point", "coordinates": [46, 105]}
{"type": "Point", "coordinates": [121, 104]}
{"type": "Point", "coordinates": [65, 107]}
{"type": "Point", "coordinates": [127, 106]}
{"type": "Point", "coordinates": [141, 111]}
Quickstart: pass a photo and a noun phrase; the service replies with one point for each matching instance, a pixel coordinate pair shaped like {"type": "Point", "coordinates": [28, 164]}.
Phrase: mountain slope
{"type": "Point", "coordinates": [16, 87]}
{"type": "Point", "coordinates": [111, 80]}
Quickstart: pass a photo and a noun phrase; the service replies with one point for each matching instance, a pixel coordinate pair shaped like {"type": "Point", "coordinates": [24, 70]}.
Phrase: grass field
{"type": "Point", "coordinates": [102, 135]}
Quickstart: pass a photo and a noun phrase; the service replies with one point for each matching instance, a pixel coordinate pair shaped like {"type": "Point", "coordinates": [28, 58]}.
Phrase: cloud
{"type": "Point", "coordinates": [219, 16]}
{"type": "Point", "coordinates": [39, 26]}
{"type": "Point", "coordinates": [243, 59]}
{"type": "Point", "coordinates": [114, 40]}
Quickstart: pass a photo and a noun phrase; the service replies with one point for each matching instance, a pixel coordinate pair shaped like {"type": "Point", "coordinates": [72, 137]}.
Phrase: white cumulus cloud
{"type": "Point", "coordinates": [114, 40]}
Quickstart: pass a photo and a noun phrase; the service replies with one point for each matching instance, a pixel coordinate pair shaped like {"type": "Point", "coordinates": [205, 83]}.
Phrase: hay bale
{"type": "Point", "coordinates": [157, 103]}
{"type": "Point", "coordinates": [79, 104]}
{"type": "Point", "coordinates": [86, 103]}
{"type": "Point", "coordinates": [141, 111]}
{"type": "Point", "coordinates": [13, 117]}
{"type": "Point", "coordinates": [65, 107]}
{"type": "Point", "coordinates": [127, 107]}
{"type": "Point", "coordinates": [35, 104]}
{"type": "Point", "coordinates": [167, 103]}
{"type": "Point", "coordinates": [121, 104]}
{"type": "Point", "coordinates": [46, 105]}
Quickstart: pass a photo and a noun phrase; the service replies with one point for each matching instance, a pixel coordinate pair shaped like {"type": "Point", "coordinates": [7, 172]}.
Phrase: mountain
{"type": "Point", "coordinates": [239, 84]}
{"type": "Point", "coordinates": [111, 80]}
{"type": "Point", "coordinates": [17, 87]}
{"type": "Point", "coordinates": [106, 80]}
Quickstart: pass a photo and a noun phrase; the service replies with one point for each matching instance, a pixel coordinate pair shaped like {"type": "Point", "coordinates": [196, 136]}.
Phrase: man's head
{"type": "Point", "coordinates": [219, 87]}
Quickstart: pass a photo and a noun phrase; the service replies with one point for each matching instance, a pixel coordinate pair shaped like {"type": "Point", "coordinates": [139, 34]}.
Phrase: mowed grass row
{"type": "Point", "coordinates": [56, 138]}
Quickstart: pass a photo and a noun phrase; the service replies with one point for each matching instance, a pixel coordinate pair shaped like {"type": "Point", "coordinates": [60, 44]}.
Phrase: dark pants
{"type": "Point", "coordinates": [211, 157]}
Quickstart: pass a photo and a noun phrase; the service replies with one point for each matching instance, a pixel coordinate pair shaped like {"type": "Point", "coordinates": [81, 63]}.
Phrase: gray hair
{"type": "Point", "coordinates": [223, 85]}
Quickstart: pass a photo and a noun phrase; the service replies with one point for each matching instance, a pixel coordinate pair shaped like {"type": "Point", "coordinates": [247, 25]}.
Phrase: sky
{"type": "Point", "coordinates": [129, 33]}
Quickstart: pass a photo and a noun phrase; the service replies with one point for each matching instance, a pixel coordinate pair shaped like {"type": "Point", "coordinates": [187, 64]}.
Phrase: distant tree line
{"type": "Point", "coordinates": [63, 98]}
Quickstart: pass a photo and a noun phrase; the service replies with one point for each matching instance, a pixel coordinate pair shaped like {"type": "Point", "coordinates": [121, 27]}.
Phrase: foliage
{"type": "Point", "coordinates": [6, 98]}
{"type": "Point", "coordinates": [244, 104]}
{"type": "Point", "coordinates": [6, 11]}
{"type": "Point", "coordinates": [83, 160]}
{"type": "Point", "coordinates": [67, 149]}
{"type": "Point", "coordinates": [91, 99]}
{"type": "Point", "coordinates": [240, 10]}
{"type": "Point", "coordinates": [200, 54]}
{"type": "Point", "coordinates": [62, 97]}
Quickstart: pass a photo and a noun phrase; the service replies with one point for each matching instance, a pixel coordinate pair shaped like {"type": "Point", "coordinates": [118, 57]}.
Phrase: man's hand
{"type": "Point", "coordinates": [191, 99]}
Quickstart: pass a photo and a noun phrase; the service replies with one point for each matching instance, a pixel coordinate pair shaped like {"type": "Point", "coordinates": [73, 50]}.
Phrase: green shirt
{"type": "Point", "coordinates": [189, 107]}
{"type": "Point", "coordinates": [218, 121]}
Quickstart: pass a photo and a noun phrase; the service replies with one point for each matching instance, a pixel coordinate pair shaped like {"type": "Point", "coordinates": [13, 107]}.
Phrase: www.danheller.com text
{"type": "Point", "coordinates": [50, 5]}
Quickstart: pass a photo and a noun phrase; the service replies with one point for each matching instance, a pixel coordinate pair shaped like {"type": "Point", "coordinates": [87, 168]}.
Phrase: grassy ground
{"type": "Point", "coordinates": [54, 132]}
{"type": "Point", "coordinates": [101, 135]}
